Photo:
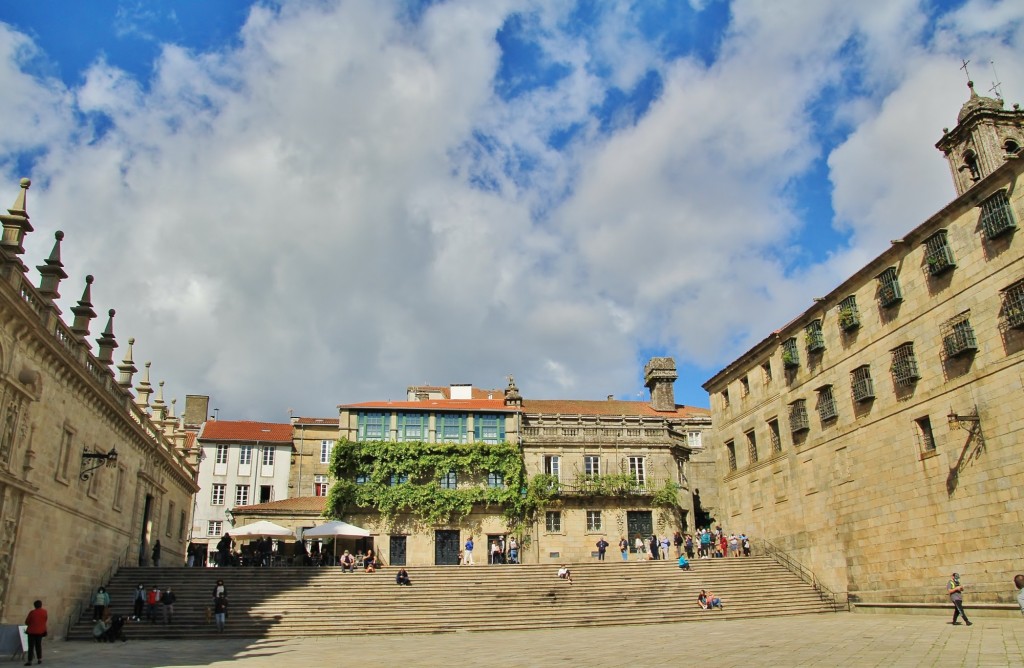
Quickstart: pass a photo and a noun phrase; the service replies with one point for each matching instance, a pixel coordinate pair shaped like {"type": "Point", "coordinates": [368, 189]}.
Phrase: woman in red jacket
{"type": "Point", "coordinates": [36, 623]}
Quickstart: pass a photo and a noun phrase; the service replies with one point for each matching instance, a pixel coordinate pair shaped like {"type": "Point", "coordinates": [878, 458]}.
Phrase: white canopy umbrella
{"type": "Point", "coordinates": [334, 530]}
{"type": "Point", "coordinates": [261, 529]}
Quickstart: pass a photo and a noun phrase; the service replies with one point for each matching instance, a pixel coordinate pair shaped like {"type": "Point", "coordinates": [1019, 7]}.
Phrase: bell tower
{"type": "Point", "coordinates": [985, 136]}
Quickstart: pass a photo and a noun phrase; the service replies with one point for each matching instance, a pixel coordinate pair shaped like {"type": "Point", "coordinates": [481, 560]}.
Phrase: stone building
{"type": "Point", "coordinates": [876, 436]}
{"type": "Point", "coordinates": [90, 476]}
{"type": "Point", "coordinates": [312, 440]}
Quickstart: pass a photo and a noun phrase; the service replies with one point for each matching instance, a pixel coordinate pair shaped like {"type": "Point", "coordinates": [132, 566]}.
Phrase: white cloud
{"type": "Point", "coordinates": [291, 222]}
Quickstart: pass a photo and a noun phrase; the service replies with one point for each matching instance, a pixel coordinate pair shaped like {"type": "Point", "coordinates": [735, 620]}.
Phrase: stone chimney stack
{"type": "Point", "coordinates": [197, 407]}
{"type": "Point", "coordinates": [660, 377]}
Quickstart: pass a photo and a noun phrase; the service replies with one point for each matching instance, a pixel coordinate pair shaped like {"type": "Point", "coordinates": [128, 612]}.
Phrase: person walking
{"type": "Point", "coordinates": [513, 550]}
{"type": "Point", "coordinates": [152, 601]}
{"type": "Point", "coordinates": [956, 595]}
{"type": "Point", "coordinates": [602, 547]}
{"type": "Point", "coordinates": [36, 631]}
{"type": "Point", "coordinates": [220, 611]}
{"type": "Point", "coordinates": [624, 548]}
{"type": "Point", "coordinates": [677, 540]}
{"type": "Point", "coordinates": [654, 547]}
{"type": "Point", "coordinates": [100, 603]}
{"type": "Point", "coordinates": [138, 603]}
{"type": "Point", "coordinates": [468, 555]}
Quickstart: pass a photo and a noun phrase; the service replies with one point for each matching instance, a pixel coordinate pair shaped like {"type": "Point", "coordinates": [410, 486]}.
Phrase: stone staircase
{"type": "Point", "coordinates": [290, 602]}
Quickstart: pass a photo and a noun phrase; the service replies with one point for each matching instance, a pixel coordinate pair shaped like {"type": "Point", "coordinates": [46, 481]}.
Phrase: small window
{"type": "Point", "coordinates": [591, 466]}
{"type": "Point", "coordinates": [553, 466]}
{"type": "Point", "coordinates": [181, 526]}
{"type": "Point", "coordinates": [971, 165]}
{"type": "Point", "coordinates": [860, 383]}
{"type": "Point", "coordinates": [222, 454]}
{"type": "Point", "coordinates": [798, 420]}
{"type": "Point", "coordinates": [814, 337]}
{"type": "Point", "coordinates": [773, 433]}
{"type": "Point", "coordinates": [268, 455]}
{"type": "Point", "coordinates": [170, 516]}
{"type": "Point", "coordinates": [325, 451]}
{"type": "Point", "coordinates": [730, 451]}
{"type": "Point", "coordinates": [751, 446]}
{"type": "Point", "coordinates": [244, 455]}
{"type": "Point", "coordinates": [849, 316]}
{"type": "Point", "coordinates": [790, 354]}
{"type": "Point", "coordinates": [398, 479]}
{"type": "Point", "coordinates": [362, 479]}
{"type": "Point", "coordinates": [64, 461]}
{"type": "Point", "coordinates": [320, 485]}
{"type": "Point", "coordinates": [725, 398]}
{"type": "Point", "coordinates": [217, 494]}
{"type": "Point", "coordinates": [213, 528]}
{"type": "Point", "coordinates": [904, 365]}
{"type": "Point", "coordinates": [119, 487]}
{"type": "Point", "coordinates": [594, 520]}
{"type": "Point", "coordinates": [553, 521]}
{"type": "Point", "coordinates": [495, 480]}
{"type": "Point", "coordinates": [958, 335]}
{"type": "Point", "coordinates": [1011, 147]}
{"type": "Point", "coordinates": [996, 215]}
{"type": "Point", "coordinates": [826, 404]}
{"type": "Point", "coordinates": [241, 495]}
{"type": "Point", "coordinates": [745, 384]}
{"type": "Point", "coordinates": [924, 434]}
{"type": "Point", "coordinates": [938, 256]}
{"type": "Point", "coordinates": [693, 439]}
{"type": "Point", "coordinates": [1013, 305]}
{"type": "Point", "coordinates": [766, 371]}
{"type": "Point", "coordinates": [889, 292]}
{"type": "Point", "coordinates": [449, 480]}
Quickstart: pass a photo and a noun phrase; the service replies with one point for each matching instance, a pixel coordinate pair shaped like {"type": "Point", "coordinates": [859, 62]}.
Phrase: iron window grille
{"type": "Point", "coordinates": [730, 449]}
{"type": "Point", "coordinates": [889, 292]}
{"type": "Point", "coordinates": [752, 446]}
{"type": "Point", "coordinates": [904, 365]}
{"type": "Point", "coordinates": [938, 256]}
{"type": "Point", "coordinates": [849, 316]}
{"type": "Point", "coordinates": [773, 433]}
{"type": "Point", "coordinates": [996, 215]}
{"type": "Point", "coordinates": [790, 353]}
{"type": "Point", "coordinates": [826, 404]}
{"type": "Point", "coordinates": [958, 335]}
{"type": "Point", "coordinates": [798, 420]}
{"type": "Point", "coordinates": [814, 337]}
{"type": "Point", "coordinates": [924, 432]}
{"type": "Point", "coordinates": [1013, 305]}
{"type": "Point", "coordinates": [860, 381]}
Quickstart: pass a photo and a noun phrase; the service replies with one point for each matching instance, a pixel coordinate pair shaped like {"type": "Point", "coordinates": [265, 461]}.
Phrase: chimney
{"type": "Point", "coordinates": [461, 391]}
{"type": "Point", "coordinates": [197, 407]}
{"type": "Point", "coordinates": [660, 377]}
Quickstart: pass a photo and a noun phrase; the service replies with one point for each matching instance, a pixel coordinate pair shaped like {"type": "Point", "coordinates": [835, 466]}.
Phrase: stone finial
{"type": "Point", "coordinates": [127, 367]}
{"type": "Point", "coordinates": [660, 377]}
{"type": "Point", "coordinates": [83, 312]}
{"type": "Point", "coordinates": [159, 407]}
{"type": "Point", "coordinates": [512, 396]}
{"type": "Point", "coordinates": [106, 342]}
{"type": "Point", "coordinates": [144, 389]}
{"type": "Point", "coordinates": [16, 224]}
{"type": "Point", "coordinates": [51, 272]}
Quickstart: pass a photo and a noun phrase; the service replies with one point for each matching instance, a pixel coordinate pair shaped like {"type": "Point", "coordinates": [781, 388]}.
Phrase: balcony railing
{"type": "Point", "coordinates": [612, 485]}
{"type": "Point", "coordinates": [940, 260]}
{"type": "Point", "coordinates": [961, 340]}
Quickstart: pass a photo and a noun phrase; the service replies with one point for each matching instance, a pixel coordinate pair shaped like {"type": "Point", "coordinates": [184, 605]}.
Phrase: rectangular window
{"type": "Point", "coordinates": [958, 335]}
{"type": "Point", "coordinates": [924, 433]}
{"type": "Point", "coordinates": [766, 371]}
{"type": "Point", "coordinates": [320, 485]}
{"type": "Point", "coordinates": [861, 384]}
{"type": "Point", "coordinates": [594, 520]}
{"type": "Point", "coordinates": [449, 480]}
{"type": "Point", "coordinates": [222, 454]}
{"type": "Point", "coordinates": [751, 446]}
{"type": "Point", "coordinates": [217, 494]}
{"type": "Point", "coordinates": [798, 416]}
{"type": "Point", "coordinates": [826, 404]}
{"type": "Point", "coordinates": [266, 493]}
{"type": "Point", "coordinates": [889, 291]}
{"type": "Point", "coordinates": [745, 385]}
{"type": "Point", "coordinates": [370, 426]}
{"type": "Point", "coordinates": [553, 466]}
{"type": "Point", "coordinates": [1013, 305]}
{"type": "Point", "coordinates": [938, 256]}
{"type": "Point", "coordinates": [904, 365]}
{"type": "Point", "coordinates": [213, 528]}
{"type": "Point", "coordinates": [693, 439]}
{"type": "Point", "coordinates": [170, 515]}
{"type": "Point", "coordinates": [996, 215]}
{"type": "Point", "coordinates": [489, 428]}
{"type": "Point", "coordinates": [591, 465]}
{"type": "Point", "coordinates": [244, 455]}
{"type": "Point", "coordinates": [398, 479]}
{"type": "Point", "coordinates": [814, 337]}
{"type": "Point", "coordinates": [730, 451]}
{"type": "Point", "coordinates": [413, 426]}
{"type": "Point", "coordinates": [773, 433]}
{"type": "Point", "coordinates": [362, 479]}
{"type": "Point", "coordinates": [553, 521]}
{"type": "Point", "coordinates": [268, 455]}
{"type": "Point", "coordinates": [849, 316]}
{"type": "Point", "coordinates": [325, 451]}
{"type": "Point", "coordinates": [495, 480]}
{"type": "Point", "coordinates": [241, 495]}
{"type": "Point", "coordinates": [638, 469]}
{"type": "Point", "coordinates": [64, 461]}
{"type": "Point", "coordinates": [181, 526]}
{"type": "Point", "coordinates": [725, 398]}
{"type": "Point", "coordinates": [119, 487]}
{"type": "Point", "coordinates": [790, 353]}
{"type": "Point", "coordinates": [451, 428]}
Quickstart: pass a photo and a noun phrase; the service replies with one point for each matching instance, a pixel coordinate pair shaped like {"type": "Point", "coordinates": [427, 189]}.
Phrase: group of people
{"type": "Point", "coordinates": [156, 602]}
{"type": "Point", "coordinates": [350, 562]}
{"type": "Point", "coordinates": [499, 551]}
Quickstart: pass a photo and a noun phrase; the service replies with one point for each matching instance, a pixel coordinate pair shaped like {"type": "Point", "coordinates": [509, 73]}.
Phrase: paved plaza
{"type": "Point", "coordinates": [843, 639]}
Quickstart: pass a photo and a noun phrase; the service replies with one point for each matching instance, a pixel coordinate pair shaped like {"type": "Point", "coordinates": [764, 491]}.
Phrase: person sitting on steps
{"type": "Point", "coordinates": [564, 574]}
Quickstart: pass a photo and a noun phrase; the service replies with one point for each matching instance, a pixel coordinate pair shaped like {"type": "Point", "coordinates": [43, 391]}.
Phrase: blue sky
{"type": "Point", "coordinates": [301, 204]}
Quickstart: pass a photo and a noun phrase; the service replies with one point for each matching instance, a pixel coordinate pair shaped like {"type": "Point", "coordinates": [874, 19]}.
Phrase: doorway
{"type": "Point", "coordinates": [147, 529]}
{"type": "Point", "coordinates": [397, 550]}
{"type": "Point", "coordinates": [638, 522]}
{"type": "Point", "coordinates": [446, 547]}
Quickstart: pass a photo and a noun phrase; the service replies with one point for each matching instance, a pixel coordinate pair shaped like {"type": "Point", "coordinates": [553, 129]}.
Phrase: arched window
{"type": "Point", "coordinates": [971, 164]}
{"type": "Point", "coordinates": [1011, 147]}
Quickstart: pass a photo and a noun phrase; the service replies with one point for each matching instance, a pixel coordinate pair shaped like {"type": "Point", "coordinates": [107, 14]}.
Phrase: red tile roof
{"type": "Point", "coordinates": [446, 391]}
{"type": "Point", "coordinates": [310, 420]}
{"type": "Point", "coordinates": [608, 407]}
{"type": "Point", "coordinates": [491, 405]}
{"type": "Point", "coordinates": [312, 504]}
{"type": "Point", "coordinates": [242, 430]}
